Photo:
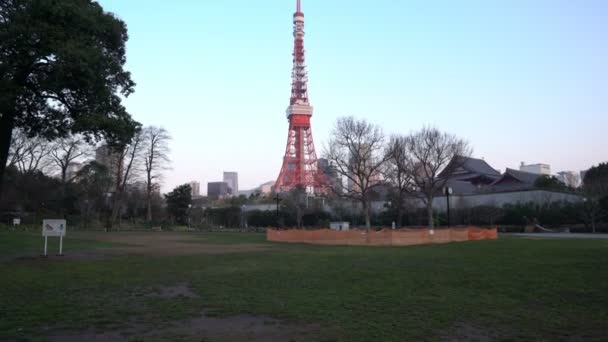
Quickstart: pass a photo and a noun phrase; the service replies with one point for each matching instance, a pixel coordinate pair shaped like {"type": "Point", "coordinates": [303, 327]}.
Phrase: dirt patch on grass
{"type": "Point", "coordinates": [166, 244]}
{"type": "Point", "coordinates": [205, 328]}
{"type": "Point", "coordinates": [91, 255]}
{"type": "Point", "coordinates": [481, 333]}
{"type": "Point", "coordinates": [172, 292]}
{"type": "Point", "coordinates": [473, 332]}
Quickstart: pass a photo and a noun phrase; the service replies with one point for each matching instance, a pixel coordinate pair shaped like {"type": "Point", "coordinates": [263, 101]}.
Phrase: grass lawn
{"type": "Point", "coordinates": [16, 244]}
{"type": "Point", "coordinates": [513, 288]}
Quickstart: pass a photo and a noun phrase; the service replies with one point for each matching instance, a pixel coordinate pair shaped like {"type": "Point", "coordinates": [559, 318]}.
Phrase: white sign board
{"type": "Point", "coordinates": [339, 226]}
{"type": "Point", "coordinates": [53, 227]}
{"type": "Point", "coordinates": [16, 221]}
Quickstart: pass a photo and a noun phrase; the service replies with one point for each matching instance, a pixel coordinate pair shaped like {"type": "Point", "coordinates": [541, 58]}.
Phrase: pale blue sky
{"type": "Point", "coordinates": [522, 80]}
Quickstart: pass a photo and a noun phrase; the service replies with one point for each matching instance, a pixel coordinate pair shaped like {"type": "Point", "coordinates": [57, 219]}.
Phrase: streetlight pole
{"type": "Point", "coordinates": [189, 213]}
{"type": "Point", "coordinates": [278, 199]}
{"type": "Point", "coordinates": [448, 192]}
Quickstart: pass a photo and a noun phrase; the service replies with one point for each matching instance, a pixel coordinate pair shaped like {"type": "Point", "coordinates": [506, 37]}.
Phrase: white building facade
{"type": "Point", "coordinates": [539, 169]}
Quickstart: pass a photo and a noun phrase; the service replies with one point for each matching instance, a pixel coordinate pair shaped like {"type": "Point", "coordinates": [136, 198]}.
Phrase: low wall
{"type": "Point", "coordinates": [386, 237]}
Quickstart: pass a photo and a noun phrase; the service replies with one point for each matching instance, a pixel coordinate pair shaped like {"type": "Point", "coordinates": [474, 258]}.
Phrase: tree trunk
{"type": "Point", "coordinates": [62, 210]}
{"type": "Point", "coordinates": [299, 218]}
{"type": "Point", "coordinates": [149, 205]}
{"type": "Point", "coordinates": [400, 219]}
{"type": "Point", "coordinates": [116, 209]}
{"type": "Point", "coordinates": [429, 210]}
{"type": "Point", "coordinates": [7, 122]}
{"type": "Point", "coordinates": [368, 223]}
{"type": "Point", "coordinates": [400, 216]}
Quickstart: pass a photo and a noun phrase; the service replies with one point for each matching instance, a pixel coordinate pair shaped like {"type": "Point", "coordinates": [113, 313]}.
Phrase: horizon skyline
{"type": "Point", "coordinates": [538, 64]}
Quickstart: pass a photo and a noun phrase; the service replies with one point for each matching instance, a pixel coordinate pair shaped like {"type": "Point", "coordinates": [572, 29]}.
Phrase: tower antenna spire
{"type": "Point", "coordinates": [299, 7]}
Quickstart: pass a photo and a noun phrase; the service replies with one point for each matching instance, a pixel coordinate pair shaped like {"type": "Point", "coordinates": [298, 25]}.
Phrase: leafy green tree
{"type": "Point", "coordinates": [595, 187]}
{"type": "Point", "coordinates": [93, 183]}
{"type": "Point", "coordinates": [61, 72]}
{"type": "Point", "coordinates": [228, 217]}
{"type": "Point", "coordinates": [178, 203]}
{"type": "Point", "coordinates": [550, 183]}
{"type": "Point", "coordinates": [31, 192]}
{"type": "Point", "coordinates": [596, 180]}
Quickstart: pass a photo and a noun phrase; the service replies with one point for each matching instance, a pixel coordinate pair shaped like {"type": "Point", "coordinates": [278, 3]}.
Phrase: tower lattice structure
{"type": "Point", "coordinates": [300, 165]}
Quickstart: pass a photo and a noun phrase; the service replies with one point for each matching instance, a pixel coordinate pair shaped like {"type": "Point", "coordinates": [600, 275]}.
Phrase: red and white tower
{"type": "Point", "coordinates": [300, 165]}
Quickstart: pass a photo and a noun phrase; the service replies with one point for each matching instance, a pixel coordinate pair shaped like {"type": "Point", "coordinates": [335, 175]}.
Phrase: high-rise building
{"type": "Point", "coordinates": [300, 159]}
{"type": "Point", "coordinates": [539, 169]}
{"type": "Point", "coordinates": [103, 156]}
{"type": "Point", "coordinates": [108, 158]}
{"type": "Point", "coordinates": [569, 178]}
{"type": "Point", "coordinates": [331, 174]}
{"type": "Point", "coordinates": [266, 188]}
{"type": "Point", "coordinates": [218, 189]}
{"type": "Point", "coordinates": [232, 179]}
{"type": "Point", "coordinates": [72, 170]}
{"type": "Point", "coordinates": [196, 188]}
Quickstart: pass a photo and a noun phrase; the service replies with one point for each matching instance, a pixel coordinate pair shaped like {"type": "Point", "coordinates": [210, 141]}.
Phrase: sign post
{"type": "Point", "coordinates": [53, 228]}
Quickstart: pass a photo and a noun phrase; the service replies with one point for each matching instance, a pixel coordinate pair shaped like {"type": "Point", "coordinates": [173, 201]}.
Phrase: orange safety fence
{"type": "Point", "coordinates": [482, 234]}
{"type": "Point", "coordinates": [385, 237]}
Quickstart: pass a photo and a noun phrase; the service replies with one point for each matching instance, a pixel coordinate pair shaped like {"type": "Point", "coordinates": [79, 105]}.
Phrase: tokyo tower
{"type": "Point", "coordinates": [300, 165]}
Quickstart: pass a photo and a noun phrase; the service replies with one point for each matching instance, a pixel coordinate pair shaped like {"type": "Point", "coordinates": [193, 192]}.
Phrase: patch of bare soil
{"type": "Point", "coordinates": [172, 292]}
{"type": "Point", "coordinates": [471, 332]}
{"type": "Point", "coordinates": [167, 244]}
{"type": "Point", "coordinates": [480, 333]}
{"type": "Point", "coordinates": [204, 328]}
{"type": "Point", "coordinates": [69, 256]}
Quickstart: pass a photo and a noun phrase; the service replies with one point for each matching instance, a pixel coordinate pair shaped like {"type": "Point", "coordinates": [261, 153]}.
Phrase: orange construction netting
{"type": "Point", "coordinates": [385, 237]}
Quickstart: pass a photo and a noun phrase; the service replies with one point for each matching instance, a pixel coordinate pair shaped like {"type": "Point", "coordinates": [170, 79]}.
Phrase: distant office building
{"type": "Point", "coordinates": [108, 158]}
{"type": "Point", "coordinates": [331, 173]}
{"type": "Point", "coordinates": [570, 178]}
{"type": "Point", "coordinates": [196, 188]}
{"type": "Point", "coordinates": [218, 189]}
{"type": "Point", "coordinates": [539, 169]}
{"type": "Point", "coordinates": [105, 156]}
{"type": "Point", "coordinates": [139, 186]}
{"type": "Point", "coordinates": [232, 179]}
{"type": "Point", "coordinates": [266, 188]}
{"type": "Point", "coordinates": [72, 169]}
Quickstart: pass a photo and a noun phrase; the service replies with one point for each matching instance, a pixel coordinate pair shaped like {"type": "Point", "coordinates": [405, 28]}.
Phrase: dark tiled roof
{"type": "Point", "coordinates": [514, 180]}
{"type": "Point", "coordinates": [479, 166]}
{"type": "Point", "coordinates": [524, 177]}
{"type": "Point", "coordinates": [472, 166]}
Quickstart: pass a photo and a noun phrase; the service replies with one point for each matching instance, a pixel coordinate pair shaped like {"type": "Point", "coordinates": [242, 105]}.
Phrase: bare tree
{"type": "Point", "coordinates": [156, 159]}
{"type": "Point", "coordinates": [397, 173]}
{"type": "Point", "coordinates": [433, 157]}
{"type": "Point", "coordinates": [29, 154]}
{"type": "Point", "coordinates": [296, 202]}
{"type": "Point", "coordinates": [356, 149]}
{"type": "Point", "coordinates": [126, 164]}
{"type": "Point", "coordinates": [67, 151]}
{"type": "Point", "coordinates": [17, 149]}
{"type": "Point", "coordinates": [63, 154]}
